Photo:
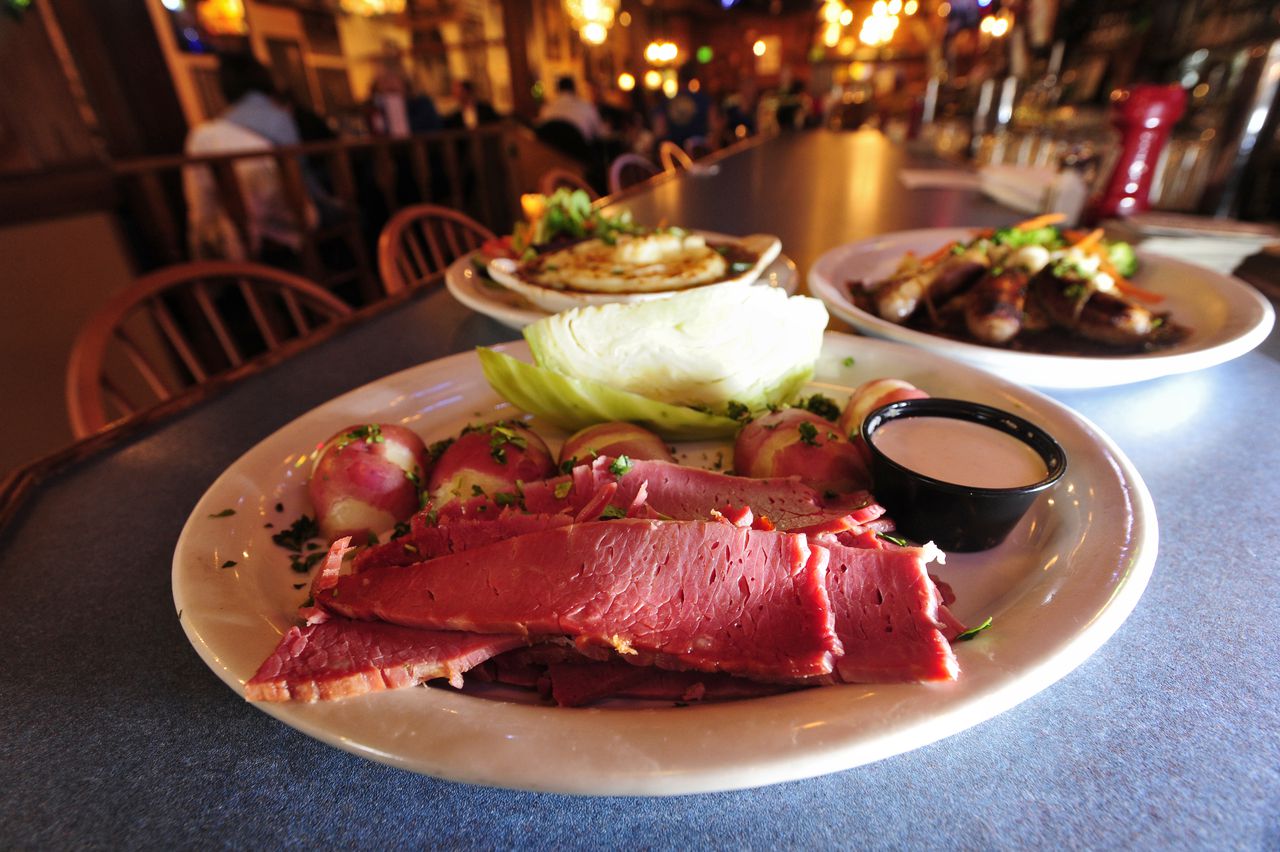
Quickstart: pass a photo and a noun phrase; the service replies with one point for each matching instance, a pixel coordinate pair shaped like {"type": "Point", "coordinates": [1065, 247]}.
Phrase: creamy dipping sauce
{"type": "Point", "coordinates": [960, 452]}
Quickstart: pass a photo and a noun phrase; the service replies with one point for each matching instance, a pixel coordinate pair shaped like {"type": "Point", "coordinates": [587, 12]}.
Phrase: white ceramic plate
{"type": "Point", "coordinates": [511, 309]}
{"type": "Point", "coordinates": [503, 270]}
{"type": "Point", "coordinates": [1227, 317]}
{"type": "Point", "coordinates": [1057, 588]}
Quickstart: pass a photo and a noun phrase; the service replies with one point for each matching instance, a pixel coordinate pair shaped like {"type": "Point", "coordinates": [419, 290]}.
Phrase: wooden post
{"type": "Point", "coordinates": [516, 24]}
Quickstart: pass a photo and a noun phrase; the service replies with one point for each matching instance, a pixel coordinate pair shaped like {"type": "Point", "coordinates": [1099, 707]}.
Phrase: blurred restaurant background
{"type": "Point", "coordinates": [119, 152]}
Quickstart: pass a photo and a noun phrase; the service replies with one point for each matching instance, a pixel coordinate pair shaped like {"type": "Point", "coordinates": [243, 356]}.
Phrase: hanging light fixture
{"type": "Point", "coordinates": [222, 17]}
{"type": "Point", "coordinates": [592, 18]}
{"type": "Point", "coordinates": [372, 8]}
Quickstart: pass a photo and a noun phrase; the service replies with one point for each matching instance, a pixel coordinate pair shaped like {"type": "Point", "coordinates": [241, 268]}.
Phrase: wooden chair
{"type": "Point", "coordinates": [557, 177]}
{"type": "Point", "coordinates": [421, 241]}
{"type": "Point", "coordinates": [628, 170]}
{"type": "Point", "coordinates": [181, 326]}
{"type": "Point", "coordinates": [673, 157]}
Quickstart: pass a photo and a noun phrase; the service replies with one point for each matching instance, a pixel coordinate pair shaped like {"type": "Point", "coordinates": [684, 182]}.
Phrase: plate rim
{"type": "Point", "coordinates": [967, 712]}
{"type": "Point", "coordinates": [1032, 367]}
{"type": "Point", "coordinates": [568, 299]}
{"type": "Point", "coordinates": [516, 317]}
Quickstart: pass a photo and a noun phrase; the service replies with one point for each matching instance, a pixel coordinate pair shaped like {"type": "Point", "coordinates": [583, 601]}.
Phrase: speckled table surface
{"type": "Point", "coordinates": [114, 733]}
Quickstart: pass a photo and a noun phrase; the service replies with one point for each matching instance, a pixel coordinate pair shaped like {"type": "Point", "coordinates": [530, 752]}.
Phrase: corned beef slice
{"type": "Point", "coordinates": [887, 612]}
{"type": "Point", "coordinates": [454, 535]}
{"type": "Point", "coordinates": [706, 596]}
{"type": "Point", "coordinates": [340, 658]}
{"type": "Point", "coordinates": [576, 683]}
{"type": "Point", "coordinates": [690, 494]}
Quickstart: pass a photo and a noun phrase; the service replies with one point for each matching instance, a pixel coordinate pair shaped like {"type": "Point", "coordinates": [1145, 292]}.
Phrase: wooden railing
{"type": "Point", "coordinates": [480, 172]}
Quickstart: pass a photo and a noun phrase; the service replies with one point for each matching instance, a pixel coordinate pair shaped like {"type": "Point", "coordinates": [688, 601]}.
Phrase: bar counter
{"type": "Point", "coordinates": [115, 734]}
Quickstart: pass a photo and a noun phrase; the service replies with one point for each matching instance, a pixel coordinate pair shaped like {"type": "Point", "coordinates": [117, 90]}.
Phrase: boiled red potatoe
{"type": "Point", "coordinates": [796, 442]}
{"type": "Point", "coordinates": [489, 460]}
{"type": "Point", "coordinates": [614, 439]}
{"type": "Point", "coordinates": [366, 479]}
{"type": "Point", "coordinates": [869, 396]}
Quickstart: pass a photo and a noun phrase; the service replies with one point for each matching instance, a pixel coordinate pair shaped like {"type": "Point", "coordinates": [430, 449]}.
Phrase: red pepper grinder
{"type": "Point", "coordinates": [1145, 116]}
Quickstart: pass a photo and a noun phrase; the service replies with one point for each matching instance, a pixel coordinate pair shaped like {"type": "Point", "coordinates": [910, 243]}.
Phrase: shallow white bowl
{"type": "Point", "coordinates": [504, 271]}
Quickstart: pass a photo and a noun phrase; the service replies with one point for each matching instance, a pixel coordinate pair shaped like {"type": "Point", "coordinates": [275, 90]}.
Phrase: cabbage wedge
{"type": "Point", "coordinates": [738, 343]}
{"type": "Point", "coordinates": [574, 403]}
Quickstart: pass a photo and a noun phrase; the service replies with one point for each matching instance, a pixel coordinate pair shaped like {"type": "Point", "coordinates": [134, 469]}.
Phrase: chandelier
{"type": "Point", "coordinates": [371, 8]}
{"type": "Point", "coordinates": [222, 17]}
{"type": "Point", "coordinates": [592, 18]}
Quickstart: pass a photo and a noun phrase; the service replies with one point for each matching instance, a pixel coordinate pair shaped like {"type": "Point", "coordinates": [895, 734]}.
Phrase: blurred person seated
{"type": "Point", "coordinates": [395, 109]}
{"type": "Point", "coordinates": [472, 111]}
{"type": "Point", "coordinates": [255, 120]}
{"type": "Point", "coordinates": [569, 106]}
{"type": "Point", "coordinates": [689, 113]}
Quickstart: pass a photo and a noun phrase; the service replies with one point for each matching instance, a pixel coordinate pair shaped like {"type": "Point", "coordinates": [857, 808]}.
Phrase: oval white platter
{"type": "Point", "coordinates": [1060, 585]}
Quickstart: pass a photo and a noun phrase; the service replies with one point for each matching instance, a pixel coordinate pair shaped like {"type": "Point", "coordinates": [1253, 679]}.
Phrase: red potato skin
{"type": "Point", "coordinates": [775, 445]}
{"type": "Point", "coordinates": [865, 399]}
{"type": "Point", "coordinates": [613, 440]}
{"type": "Point", "coordinates": [365, 485]}
{"type": "Point", "coordinates": [470, 461]}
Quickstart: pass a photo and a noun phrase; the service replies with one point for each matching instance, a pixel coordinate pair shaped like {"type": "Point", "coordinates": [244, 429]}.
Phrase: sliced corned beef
{"type": "Point", "coordinates": [454, 535]}
{"type": "Point", "coordinates": [574, 684]}
{"type": "Point", "coordinates": [690, 493]}
{"type": "Point", "coordinates": [706, 596]}
{"type": "Point", "coordinates": [887, 612]}
{"type": "Point", "coordinates": [341, 658]}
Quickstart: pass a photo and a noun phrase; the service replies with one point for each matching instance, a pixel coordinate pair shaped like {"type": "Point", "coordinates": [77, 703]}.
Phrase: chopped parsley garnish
{"type": "Point", "coordinates": [413, 476]}
{"type": "Point", "coordinates": [808, 433]}
{"type": "Point", "coordinates": [437, 449]}
{"type": "Point", "coordinates": [892, 539]}
{"type": "Point", "coordinates": [823, 406]}
{"type": "Point", "coordinates": [225, 513]}
{"type": "Point", "coordinates": [969, 634]}
{"type": "Point", "coordinates": [506, 498]}
{"type": "Point", "coordinates": [432, 517]}
{"type": "Point", "coordinates": [848, 361]}
{"type": "Point", "coordinates": [401, 529]}
{"type": "Point", "coordinates": [612, 512]}
{"type": "Point", "coordinates": [562, 489]}
{"type": "Point", "coordinates": [303, 564]}
{"type": "Point", "coordinates": [621, 466]}
{"type": "Point", "coordinates": [737, 411]}
{"type": "Point", "coordinates": [370, 433]}
{"type": "Point", "coordinates": [499, 437]}
{"type": "Point", "coordinates": [372, 539]}
{"type": "Point", "coordinates": [230, 563]}
{"type": "Point", "coordinates": [477, 491]}
{"type": "Point", "coordinates": [568, 464]}
{"type": "Point", "coordinates": [298, 533]}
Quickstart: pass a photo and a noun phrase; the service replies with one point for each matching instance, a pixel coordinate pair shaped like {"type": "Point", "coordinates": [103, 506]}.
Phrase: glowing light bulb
{"type": "Point", "coordinates": [594, 33]}
{"type": "Point", "coordinates": [759, 47]}
{"type": "Point", "coordinates": [894, 7]}
{"type": "Point", "coordinates": [652, 79]}
{"type": "Point", "coordinates": [910, 7]}
{"type": "Point", "coordinates": [846, 17]}
{"type": "Point", "coordinates": [626, 82]}
{"type": "Point", "coordinates": [670, 87]}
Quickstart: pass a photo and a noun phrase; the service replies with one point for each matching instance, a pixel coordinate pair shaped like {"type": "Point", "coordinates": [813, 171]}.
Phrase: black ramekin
{"type": "Point", "coordinates": [957, 517]}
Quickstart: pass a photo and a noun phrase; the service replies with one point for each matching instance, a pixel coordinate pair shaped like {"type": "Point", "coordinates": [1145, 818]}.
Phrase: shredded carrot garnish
{"type": "Point", "coordinates": [1127, 287]}
{"type": "Point", "coordinates": [934, 257]}
{"type": "Point", "coordinates": [1089, 240]}
{"type": "Point", "coordinates": [1041, 221]}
